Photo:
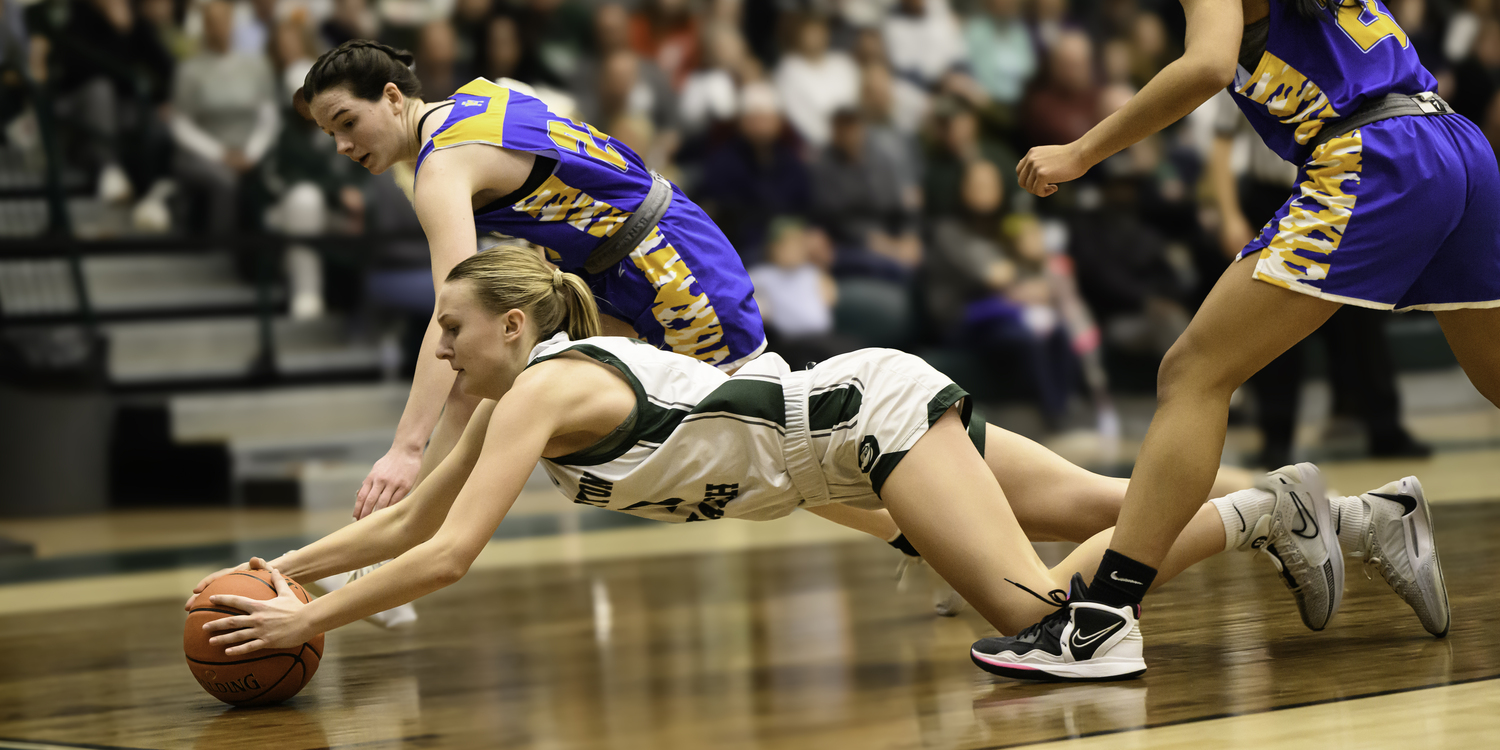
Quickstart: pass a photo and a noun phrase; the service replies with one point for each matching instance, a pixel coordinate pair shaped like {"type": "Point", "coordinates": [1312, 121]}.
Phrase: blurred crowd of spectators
{"type": "Point", "coordinates": [844, 146]}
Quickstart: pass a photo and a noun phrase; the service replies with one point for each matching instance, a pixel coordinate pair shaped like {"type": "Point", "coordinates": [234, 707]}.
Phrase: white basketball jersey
{"type": "Point", "coordinates": [702, 445]}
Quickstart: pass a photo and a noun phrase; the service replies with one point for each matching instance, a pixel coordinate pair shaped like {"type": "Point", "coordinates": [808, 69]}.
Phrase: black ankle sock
{"type": "Point", "coordinates": [1120, 580]}
{"type": "Point", "coordinates": [902, 544]}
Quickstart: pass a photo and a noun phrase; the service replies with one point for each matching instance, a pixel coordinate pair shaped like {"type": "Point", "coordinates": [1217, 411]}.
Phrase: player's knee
{"type": "Point", "coordinates": [1191, 369]}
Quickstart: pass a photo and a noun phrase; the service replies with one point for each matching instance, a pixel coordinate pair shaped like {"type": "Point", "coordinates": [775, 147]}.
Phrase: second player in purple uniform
{"type": "Point", "coordinates": [1395, 207]}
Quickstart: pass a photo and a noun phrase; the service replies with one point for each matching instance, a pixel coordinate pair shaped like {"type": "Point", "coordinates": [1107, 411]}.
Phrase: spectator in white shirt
{"type": "Point", "coordinates": [814, 82]}
{"type": "Point", "coordinates": [923, 41]}
{"type": "Point", "coordinates": [796, 295]}
{"type": "Point", "coordinates": [711, 92]}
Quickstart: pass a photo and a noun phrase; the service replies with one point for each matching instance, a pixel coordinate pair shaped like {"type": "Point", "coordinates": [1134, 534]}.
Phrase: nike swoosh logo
{"type": "Point", "coordinates": [1114, 576]}
{"type": "Point", "coordinates": [1308, 522]}
{"type": "Point", "coordinates": [1409, 503]}
{"type": "Point", "coordinates": [1241, 515]}
{"type": "Point", "coordinates": [1088, 641]}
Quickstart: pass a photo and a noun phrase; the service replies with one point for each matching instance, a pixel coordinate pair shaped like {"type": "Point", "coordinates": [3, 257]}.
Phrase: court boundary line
{"type": "Point", "coordinates": [12, 743]}
{"type": "Point", "coordinates": [1215, 717]}
{"type": "Point", "coordinates": [9, 743]}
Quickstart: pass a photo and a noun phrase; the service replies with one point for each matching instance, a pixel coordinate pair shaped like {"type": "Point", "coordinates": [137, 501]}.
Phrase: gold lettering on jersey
{"type": "Point", "coordinates": [572, 139]}
{"type": "Point", "coordinates": [1314, 225]}
{"type": "Point", "coordinates": [555, 200]}
{"type": "Point", "coordinates": [1366, 25]}
{"type": "Point", "coordinates": [1288, 96]}
{"type": "Point", "coordinates": [688, 318]}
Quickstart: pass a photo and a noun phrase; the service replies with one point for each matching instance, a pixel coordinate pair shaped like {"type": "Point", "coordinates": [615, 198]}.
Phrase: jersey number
{"type": "Point", "coordinates": [570, 138]}
{"type": "Point", "coordinates": [1366, 25]}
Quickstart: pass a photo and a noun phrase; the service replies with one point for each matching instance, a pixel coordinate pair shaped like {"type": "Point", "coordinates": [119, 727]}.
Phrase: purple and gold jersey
{"type": "Point", "coordinates": [683, 288]}
{"type": "Point", "coordinates": [1297, 73]}
{"type": "Point", "coordinates": [1401, 213]}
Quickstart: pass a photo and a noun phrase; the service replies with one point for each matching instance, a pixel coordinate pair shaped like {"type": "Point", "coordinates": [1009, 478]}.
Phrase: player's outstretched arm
{"type": "Point", "coordinates": [382, 536]}
{"type": "Point", "coordinates": [519, 429]}
{"type": "Point", "coordinates": [1214, 28]}
{"type": "Point", "coordinates": [393, 531]}
{"type": "Point", "coordinates": [443, 204]}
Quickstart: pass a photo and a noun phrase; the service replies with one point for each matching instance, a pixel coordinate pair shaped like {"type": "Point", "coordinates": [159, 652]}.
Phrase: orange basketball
{"type": "Point", "coordinates": [256, 679]}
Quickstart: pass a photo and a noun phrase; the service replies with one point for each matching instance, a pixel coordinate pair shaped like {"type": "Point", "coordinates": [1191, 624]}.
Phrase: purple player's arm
{"type": "Point", "coordinates": [1214, 28]}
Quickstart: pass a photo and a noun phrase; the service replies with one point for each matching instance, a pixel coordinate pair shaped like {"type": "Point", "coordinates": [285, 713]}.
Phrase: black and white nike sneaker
{"type": "Point", "coordinates": [1303, 543]}
{"type": "Point", "coordinates": [1082, 641]}
{"type": "Point", "coordinates": [1397, 540]}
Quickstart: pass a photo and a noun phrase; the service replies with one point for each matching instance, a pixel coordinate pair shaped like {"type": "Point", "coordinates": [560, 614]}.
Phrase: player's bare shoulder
{"type": "Point", "coordinates": [587, 398]}
{"type": "Point", "coordinates": [489, 170]}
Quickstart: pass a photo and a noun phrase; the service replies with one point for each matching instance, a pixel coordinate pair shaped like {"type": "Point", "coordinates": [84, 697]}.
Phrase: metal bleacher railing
{"type": "Point", "coordinates": [154, 313]}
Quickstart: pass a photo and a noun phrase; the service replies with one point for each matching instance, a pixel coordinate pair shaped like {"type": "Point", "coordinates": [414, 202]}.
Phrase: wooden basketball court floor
{"type": "Point", "coordinates": [574, 631]}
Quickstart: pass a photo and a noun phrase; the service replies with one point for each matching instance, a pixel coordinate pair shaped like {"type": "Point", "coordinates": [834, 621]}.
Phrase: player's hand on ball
{"type": "Point", "coordinates": [1045, 166]}
{"type": "Point", "coordinates": [255, 564]}
{"type": "Point", "coordinates": [270, 623]}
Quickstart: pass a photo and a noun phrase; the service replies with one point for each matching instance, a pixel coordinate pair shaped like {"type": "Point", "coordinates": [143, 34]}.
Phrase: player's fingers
{"type": "Point", "coordinates": [233, 622]}
{"type": "Point", "coordinates": [366, 504]}
{"type": "Point", "coordinates": [210, 578]}
{"type": "Point", "coordinates": [257, 563]}
{"type": "Point", "coordinates": [281, 588]}
{"type": "Point", "coordinates": [246, 648]}
{"type": "Point", "coordinates": [232, 637]}
{"type": "Point", "coordinates": [1029, 180]}
{"type": "Point", "coordinates": [359, 497]}
{"type": "Point", "coordinates": [385, 498]}
{"type": "Point", "coordinates": [242, 603]}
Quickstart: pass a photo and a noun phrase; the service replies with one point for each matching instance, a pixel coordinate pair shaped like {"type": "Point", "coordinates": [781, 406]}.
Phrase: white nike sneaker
{"type": "Point", "coordinates": [391, 618]}
{"type": "Point", "coordinates": [1302, 542]}
{"type": "Point", "coordinates": [1398, 540]}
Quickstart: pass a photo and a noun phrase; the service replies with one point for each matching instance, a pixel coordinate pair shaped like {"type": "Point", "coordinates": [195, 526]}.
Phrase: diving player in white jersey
{"type": "Point", "coordinates": [625, 426]}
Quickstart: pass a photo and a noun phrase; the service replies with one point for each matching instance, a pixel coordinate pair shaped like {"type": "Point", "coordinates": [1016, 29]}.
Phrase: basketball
{"type": "Point", "coordinates": [260, 678]}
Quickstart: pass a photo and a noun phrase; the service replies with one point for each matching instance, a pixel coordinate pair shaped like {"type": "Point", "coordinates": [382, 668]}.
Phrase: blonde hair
{"type": "Point", "coordinates": [518, 279]}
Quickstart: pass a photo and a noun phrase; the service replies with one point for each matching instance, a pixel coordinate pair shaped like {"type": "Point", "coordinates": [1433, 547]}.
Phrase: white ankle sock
{"type": "Point", "coordinates": [1240, 512]}
{"type": "Point", "coordinates": [1349, 516]}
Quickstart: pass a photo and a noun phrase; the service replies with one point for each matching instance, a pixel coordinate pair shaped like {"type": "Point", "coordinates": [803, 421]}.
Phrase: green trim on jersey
{"type": "Point", "coordinates": [649, 418]}
{"type": "Point", "coordinates": [946, 398]}
{"type": "Point", "coordinates": [745, 400]}
{"type": "Point", "coordinates": [759, 400]}
{"type": "Point", "coordinates": [833, 407]}
{"type": "Point", "coordinates": [977, 430]}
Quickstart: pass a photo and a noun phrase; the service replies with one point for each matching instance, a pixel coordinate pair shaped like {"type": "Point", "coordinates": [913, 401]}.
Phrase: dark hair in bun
{"type": "Point", "coordinates": [364, 67]}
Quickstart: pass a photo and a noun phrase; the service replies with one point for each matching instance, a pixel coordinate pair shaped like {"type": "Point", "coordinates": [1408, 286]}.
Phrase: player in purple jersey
{"type": "Point", "coordinates": [493, 159]}
{"type": "Point", "coordinates": [1397, 207]}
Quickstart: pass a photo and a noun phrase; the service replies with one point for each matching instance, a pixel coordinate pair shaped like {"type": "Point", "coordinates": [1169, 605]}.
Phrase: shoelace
{"type": "Point", "coordinates": [1294, 557]}
{"type": "Point", "coordinates": [1050, 625]}
{"type": "Point", "coordinates": [1387, 571]}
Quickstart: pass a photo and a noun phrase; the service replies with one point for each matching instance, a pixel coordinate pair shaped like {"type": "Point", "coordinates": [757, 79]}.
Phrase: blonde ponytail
{"type": "Point", "coordinates": [518, 279]}
{"type": "Point", "coordinates": [583, 312]}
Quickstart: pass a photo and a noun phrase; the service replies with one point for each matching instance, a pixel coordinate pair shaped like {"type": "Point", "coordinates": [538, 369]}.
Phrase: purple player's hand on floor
{"type": "Point", "coordinates": [388, 482]}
